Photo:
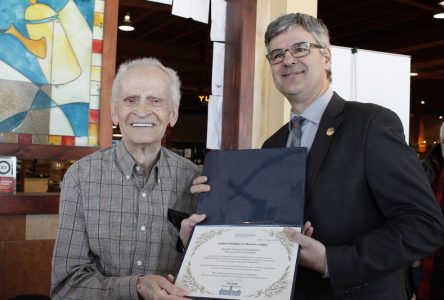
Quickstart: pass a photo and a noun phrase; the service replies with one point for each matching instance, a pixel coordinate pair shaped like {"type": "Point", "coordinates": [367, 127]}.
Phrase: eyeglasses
{"type": "Point", "coordinates": [297, 50]}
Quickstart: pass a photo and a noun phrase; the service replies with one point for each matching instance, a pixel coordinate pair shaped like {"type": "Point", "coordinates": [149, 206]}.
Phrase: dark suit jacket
{"type": "Point", "coordinates": [369, 202]}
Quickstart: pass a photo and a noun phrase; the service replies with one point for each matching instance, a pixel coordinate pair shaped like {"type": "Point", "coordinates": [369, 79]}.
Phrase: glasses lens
{"type": "Point", "coordinates": [276, 56]}
{"type": "Point", "coordinates": [300, 50]}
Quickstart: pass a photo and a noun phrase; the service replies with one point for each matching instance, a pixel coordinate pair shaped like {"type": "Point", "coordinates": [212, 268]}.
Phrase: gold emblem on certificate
{"type": "Point", "coordinates": [239, 262]}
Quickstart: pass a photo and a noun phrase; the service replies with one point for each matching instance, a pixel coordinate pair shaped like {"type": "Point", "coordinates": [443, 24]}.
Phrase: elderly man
{"type": "Point", "coordinates": [368, 206]}
{"type": "Point", "coordinates": [121, 207]}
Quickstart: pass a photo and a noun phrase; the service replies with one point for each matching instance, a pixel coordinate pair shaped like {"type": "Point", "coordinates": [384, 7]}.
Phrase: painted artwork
{"type": "Point", "coordinates": [50, 71]}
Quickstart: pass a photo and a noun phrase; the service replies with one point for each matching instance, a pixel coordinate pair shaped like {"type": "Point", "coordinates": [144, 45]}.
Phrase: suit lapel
{"type": "Point", "coordinates": [331, 120]}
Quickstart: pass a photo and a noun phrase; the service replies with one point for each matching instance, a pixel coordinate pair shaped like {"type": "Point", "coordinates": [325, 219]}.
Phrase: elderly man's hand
{"type": "Point", "coordinates": [187, 225]}
{"type": "Point", "coordinates": [153, 287]}
{"type": "Point", "coordinates": [199, 186]}
{"type": "Point", "coordinates": [312, 254]}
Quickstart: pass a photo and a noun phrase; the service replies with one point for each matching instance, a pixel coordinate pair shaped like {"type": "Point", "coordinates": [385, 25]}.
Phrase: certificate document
{"type": "Point", "coordinates": [239, 262]}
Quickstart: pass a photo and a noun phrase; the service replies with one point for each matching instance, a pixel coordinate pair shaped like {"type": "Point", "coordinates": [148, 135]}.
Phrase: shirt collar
{"type": "Point", "coordinates": [315, 110]}
{"type": "Point", "coordinates": [131, 167]}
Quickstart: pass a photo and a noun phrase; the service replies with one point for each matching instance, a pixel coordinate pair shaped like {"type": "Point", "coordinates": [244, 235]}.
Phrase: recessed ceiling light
{"type": "Point", "coordinates": [413, 74]}
{"type": "Point", "coordinates": [422, 102]}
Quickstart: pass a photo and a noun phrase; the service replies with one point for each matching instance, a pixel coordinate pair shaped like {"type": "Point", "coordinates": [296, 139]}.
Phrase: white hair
{"type": "Point", "coordinates": [174, 88]}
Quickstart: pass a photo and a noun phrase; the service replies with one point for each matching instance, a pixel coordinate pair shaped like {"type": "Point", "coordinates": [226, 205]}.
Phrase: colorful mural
{"type": "Point", "coordinates": [50, 71]}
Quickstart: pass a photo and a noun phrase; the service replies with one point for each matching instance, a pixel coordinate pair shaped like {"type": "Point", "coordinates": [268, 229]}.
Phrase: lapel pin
{"type": "Point", "coordinates": [330, 131]}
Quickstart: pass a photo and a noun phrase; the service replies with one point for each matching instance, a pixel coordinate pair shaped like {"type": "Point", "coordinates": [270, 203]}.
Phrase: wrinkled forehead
{"type": "Point", "coordinates": [148, 72]}
{"type": "Point", "coordinates": [145, 79]}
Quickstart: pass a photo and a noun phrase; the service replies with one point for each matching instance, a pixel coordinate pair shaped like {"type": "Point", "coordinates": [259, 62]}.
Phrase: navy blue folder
{"type": "Point", "coordinates": [254, 186]}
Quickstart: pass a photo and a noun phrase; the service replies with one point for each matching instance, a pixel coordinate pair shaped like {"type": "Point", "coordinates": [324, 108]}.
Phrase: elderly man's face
{"type": "Point", "coordinates": [144, 109]}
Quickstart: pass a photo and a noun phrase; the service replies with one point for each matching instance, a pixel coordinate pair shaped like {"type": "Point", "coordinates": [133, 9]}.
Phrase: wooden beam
{"type": "Point", "coordinates": [183, 57]}
{"type": "Point", "coordinates": [154, 29]}
{"type": "Point", "coordinates": [184, 34]}
{"type": "Point", "coordinates": [24, 204]}
{"type": "Point", "coordinates": [426, 7]}
{"type": "Point", "coordinates": [142, 4]}
{"type": "Point", "coordinates": [237, 112]}
{"type": "Point", "coordinates": [50, 152]}
{"type": "Point", "coordinates": [108, 71]}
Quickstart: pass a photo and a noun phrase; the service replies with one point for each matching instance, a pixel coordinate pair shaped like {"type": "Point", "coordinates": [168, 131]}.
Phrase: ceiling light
{"type": "Point", "coordinates": [440, 117]}
{"type": "Point", "coordinates": [422, 102]}
{"type": "Point", "coordinates": [126, 24]}
{"type": "Point", "coordinates": [440, 15]}
{"type": "Point", "coordinates": [413, 74]}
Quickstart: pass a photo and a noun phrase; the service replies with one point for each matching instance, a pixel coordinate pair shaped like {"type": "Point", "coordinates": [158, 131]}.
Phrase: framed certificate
{"type": "Point", "coordinates": [239, 262]}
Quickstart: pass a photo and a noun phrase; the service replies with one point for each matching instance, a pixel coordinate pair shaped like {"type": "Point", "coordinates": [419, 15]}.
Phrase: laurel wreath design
{"type": "Point", "coordinates": [284, 240]}
{"type": "Point", "coordinates": [205, 237]}
{"type": "Point", "coordinates": [191, 283]}
{"type": "Point", "coordinates": [275, 288]}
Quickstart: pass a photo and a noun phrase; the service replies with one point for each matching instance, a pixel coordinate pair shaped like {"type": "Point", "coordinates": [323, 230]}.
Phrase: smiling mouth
{"type": "Point", "coordinates": [149, 125]}
{"type": "Point", "coordinates": [294, 73]}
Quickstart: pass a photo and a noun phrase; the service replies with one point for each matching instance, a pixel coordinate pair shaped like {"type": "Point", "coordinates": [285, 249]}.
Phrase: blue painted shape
{"type": "Point", "coordinates": [77, 115]}
{"type": "Point", "coordinates": [12, 123]}
{"type": "Point", "coordinates": [13, 53]}
{"type": "Point", "coordinates": [86, 7]}
{"type": "Point", "coordinates": [42, 100]}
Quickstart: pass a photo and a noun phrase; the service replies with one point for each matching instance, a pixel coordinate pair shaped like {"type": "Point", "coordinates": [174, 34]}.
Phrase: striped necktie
{"type": "Point", "coordinates": [296, 131]}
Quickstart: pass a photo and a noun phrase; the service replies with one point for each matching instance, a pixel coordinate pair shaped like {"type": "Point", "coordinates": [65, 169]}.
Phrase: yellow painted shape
{"type": "Point", "coordinates": [65, 67]}
{"type": "Point", "coordinates": [96, 73]}
{"type": "Point", "coordinates": [98, 19]}
{"type": "Point", "coordinates": [38, 31]}
{"type": "Point", "coordinates": [10, 137]}
{"type": "Point", "coordinates": [36, 47]}
{"type": "Point", "coordinates": [54, 140]}
{"type": "Point", "coordinates": [93, 133]}
{"type": "Point", "coordinates": [60, 64]}
{"type": "Point", "coordinates": [39, 11]}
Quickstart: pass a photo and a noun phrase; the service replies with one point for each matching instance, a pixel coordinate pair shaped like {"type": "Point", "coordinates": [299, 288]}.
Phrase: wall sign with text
{"type": "Point", "coordinates": [8, 165]}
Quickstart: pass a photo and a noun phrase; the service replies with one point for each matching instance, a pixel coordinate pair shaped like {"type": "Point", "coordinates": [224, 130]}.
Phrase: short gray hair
{"type": "Point", "coordinates": [312, 25]}
{"type": "Point", "coordinates": [174, 87]}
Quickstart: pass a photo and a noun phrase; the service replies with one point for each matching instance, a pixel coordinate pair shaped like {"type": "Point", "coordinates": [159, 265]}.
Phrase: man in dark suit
{"type": "Point", "coordinates": [368, 203]}
{"type": "Point", "coordinates": [369, 208]}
